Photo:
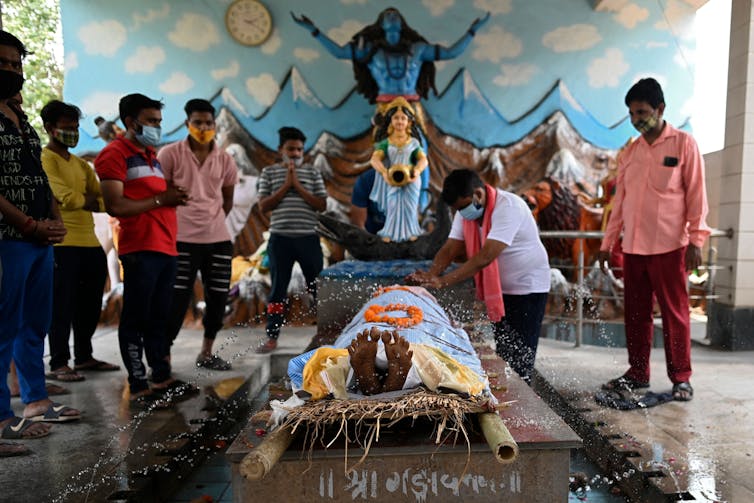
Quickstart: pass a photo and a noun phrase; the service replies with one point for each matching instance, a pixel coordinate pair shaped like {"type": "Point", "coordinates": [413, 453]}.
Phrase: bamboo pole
{"type": "Point", "coordinates": [258, 463]}
{"type": "Point", "coordinates": [504, 448]}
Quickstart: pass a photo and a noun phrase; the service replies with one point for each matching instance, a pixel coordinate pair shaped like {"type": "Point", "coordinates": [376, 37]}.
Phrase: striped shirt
{"type": "Point", "coordinates": [293, 216]}
{"type": "Point", "coordinates": [142, 178]}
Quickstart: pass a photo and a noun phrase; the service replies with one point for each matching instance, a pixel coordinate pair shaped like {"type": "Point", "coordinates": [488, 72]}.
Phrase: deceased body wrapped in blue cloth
{"type": "Point", "coordinates": [401, 339]}
{"type": "Point", "coordinates": [400, 358]}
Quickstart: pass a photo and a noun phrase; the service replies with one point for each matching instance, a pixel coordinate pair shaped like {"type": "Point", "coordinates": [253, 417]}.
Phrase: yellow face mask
{"type": "Point", "coordinates": [202, 136]}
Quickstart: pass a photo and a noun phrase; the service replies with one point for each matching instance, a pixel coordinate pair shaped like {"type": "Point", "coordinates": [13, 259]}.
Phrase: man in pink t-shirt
{"type": "Point", "coordinates": [661, 206]}
{"type": "Point", "coordinates": [210, 175]}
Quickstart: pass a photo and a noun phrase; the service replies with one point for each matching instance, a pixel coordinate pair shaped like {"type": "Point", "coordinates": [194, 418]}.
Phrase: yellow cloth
{"type": "Point", "coordinates": [326, 372]}
{"type": "Point", "coordinates": [70, 181]}
{"type": "Point", "coordinates": [439, 370]}
{"type": "Point", "coordinates": [238, 267]}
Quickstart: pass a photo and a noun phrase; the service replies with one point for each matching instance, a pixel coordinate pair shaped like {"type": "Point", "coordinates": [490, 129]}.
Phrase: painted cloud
{"type": "Point", "coordinates": [495, 44]}
{"type": "Point", "coordinates": [145, 59]}
{"type": "Point", "coordinates": [494, 7]}
{"type": "Point", "coordinates": [195, 32]}
{"type": "Point", "coordinates": [305, 54]}
{"type": "Point", "coordinates": [272, 44]}
{"type": "Point", "coordinates": [71, 61]}
{"type": "Point", "coordinates": [515, 75]}
{"type": "Point", "coordinates": [677, 19]}
{"type": "Point", "coordinates": [228, 72]}
{"type": "Point", "coordinates": [607, 70]}
{"type": "Point", "coordinates": [102, 38]}
{"type": "Point", "coordinates": [151, 15]}
{"type": "Point", "coordinates": [631, 15]}
{"type": "Point", "coordinates": [437, 7]}
{"type": "Point", "coordinates": [576, 37]}
{"type": "Point", "coordinates": [263, 88]}
{"type": "Point", "coordinates": [177, 83]}
{"type": "Point", "coordinates": [343, 33]}
{"type": "Point", "coordinates": [104, 103]}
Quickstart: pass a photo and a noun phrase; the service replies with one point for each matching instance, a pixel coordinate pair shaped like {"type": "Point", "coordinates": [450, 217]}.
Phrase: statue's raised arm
{"type": "Point", "coordinates": [439, 53]}
{"type": "Point", "coordinates": [390, 58]}
{"type": "Point", "coordinates": [338, 51]}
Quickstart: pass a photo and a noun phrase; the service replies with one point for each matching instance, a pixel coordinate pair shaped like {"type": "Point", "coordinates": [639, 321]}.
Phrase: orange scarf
{"type": "Point", "coordinates": [487, 280]}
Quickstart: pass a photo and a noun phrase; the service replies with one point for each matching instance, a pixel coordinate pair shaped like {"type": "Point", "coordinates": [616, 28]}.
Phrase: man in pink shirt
{"type": "Point", "coordinates": [210, 175]}
{"type": "Point", "coordinates": [660, 205]}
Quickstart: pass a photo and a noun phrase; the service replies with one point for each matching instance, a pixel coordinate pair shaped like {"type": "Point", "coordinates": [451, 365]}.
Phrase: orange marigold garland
{"type": "Point", "coordinates": [385, 289]}
{"type": "Point", "coordinates": [376, 314]}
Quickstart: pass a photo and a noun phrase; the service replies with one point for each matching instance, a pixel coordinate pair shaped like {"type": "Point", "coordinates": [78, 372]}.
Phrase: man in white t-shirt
{"type": "Point", "coordinates": [506, 258]}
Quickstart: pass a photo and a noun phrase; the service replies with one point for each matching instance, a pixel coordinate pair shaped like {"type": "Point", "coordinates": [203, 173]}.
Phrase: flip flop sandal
{"type": "Point", "coordinates": [55, 413]}
{"type": "Point", "coordinates": [65, 376]}
{"type": "Point", "coordinates": [16, 428]}
{"type": "Point", "coordinates": [683, 387]}
{"type": "Point", "coordinates": [97, 366]}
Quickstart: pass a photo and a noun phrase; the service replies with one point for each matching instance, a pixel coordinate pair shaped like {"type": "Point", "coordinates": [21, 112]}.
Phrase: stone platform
{"type": "Point", "coordinates": [406, 465]}
{"type": "Point", "coordinates": [346, 286]}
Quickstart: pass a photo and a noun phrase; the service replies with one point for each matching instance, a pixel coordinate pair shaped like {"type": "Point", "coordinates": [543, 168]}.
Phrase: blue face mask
{"type": "Point", "coordinates": [149, 136]}
{"type": "Point", "coordinates": [473, 211]}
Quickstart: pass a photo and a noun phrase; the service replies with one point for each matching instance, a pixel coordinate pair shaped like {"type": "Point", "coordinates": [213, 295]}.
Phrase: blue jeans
{"type": "Point", "coordinates": [25, 314]}
{"type": "Point", "coordinates": [517, 334]}
{"type": "Point", "coordinates": [147, 295]}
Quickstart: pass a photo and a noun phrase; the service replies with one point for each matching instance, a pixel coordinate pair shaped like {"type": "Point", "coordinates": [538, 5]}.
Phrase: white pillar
{"type": "Point", "coordinates": [732, 315]}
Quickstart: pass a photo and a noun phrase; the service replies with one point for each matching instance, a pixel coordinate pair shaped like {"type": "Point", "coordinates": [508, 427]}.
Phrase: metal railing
{"type": "Point", "coordinates": [581, 288]}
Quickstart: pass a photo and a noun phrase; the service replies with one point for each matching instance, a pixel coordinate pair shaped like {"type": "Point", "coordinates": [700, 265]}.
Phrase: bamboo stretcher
{"type": "Point", "coordinates": [367, 416]}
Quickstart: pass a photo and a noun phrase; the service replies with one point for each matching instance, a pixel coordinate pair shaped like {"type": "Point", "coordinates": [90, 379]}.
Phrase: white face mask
{"type": "Point", "coordinates": [473, 211]}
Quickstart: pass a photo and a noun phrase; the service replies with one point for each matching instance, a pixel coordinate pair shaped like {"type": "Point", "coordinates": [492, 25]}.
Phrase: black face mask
{"type": "Point", "coordinates": [10, 84]}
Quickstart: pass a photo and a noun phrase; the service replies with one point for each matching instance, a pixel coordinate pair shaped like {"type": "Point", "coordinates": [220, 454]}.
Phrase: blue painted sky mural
{"type": "Point", "coordinates": [532, 58]}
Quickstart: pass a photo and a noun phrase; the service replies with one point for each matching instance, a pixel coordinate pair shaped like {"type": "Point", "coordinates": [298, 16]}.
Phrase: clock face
{"type": "Point", "coordinates": [248, 21]}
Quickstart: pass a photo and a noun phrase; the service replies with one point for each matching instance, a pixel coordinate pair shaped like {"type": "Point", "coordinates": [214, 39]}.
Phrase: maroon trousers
{"type": "Point", "coordinates": [665, 276]}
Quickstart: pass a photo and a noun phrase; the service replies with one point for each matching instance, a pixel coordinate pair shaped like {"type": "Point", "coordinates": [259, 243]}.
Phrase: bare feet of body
{"type": "Point", "coordinates": [363, 350]}
{"type": "Point", "coordinates": [398, 360]}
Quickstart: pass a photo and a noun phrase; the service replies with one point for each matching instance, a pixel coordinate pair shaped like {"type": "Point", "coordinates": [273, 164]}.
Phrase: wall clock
{"type": "Point", "coordinates": [248, 22]}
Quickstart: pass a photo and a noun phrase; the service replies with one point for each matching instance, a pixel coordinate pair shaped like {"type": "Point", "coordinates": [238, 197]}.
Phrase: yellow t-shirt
{"type": "Point", "coordinates": [70, 181]}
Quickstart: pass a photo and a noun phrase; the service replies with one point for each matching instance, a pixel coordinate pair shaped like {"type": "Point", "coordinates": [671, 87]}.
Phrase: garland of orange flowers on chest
{"type": "Point", "coordinates": [376, 314]}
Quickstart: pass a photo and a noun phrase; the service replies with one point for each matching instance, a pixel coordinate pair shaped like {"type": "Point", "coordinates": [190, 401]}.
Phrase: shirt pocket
{"type": "Point", "coordinates": [665, 177]}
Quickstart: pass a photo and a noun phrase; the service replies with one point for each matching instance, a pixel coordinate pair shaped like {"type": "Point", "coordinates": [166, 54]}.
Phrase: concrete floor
{"type": "Point", "coordinates": [704, 447]}
{"type": "Point", "coordinates": [113, 453]}
{"type": "Point", "coordinates": [701, 449]}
